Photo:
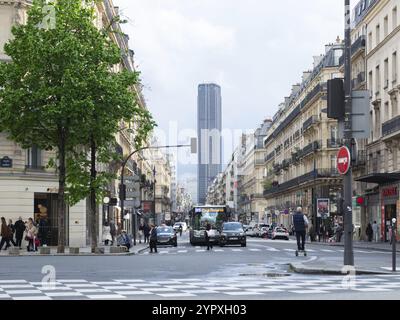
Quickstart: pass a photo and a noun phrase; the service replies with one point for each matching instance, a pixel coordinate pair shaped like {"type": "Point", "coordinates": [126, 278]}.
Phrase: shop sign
{"type": "Point", "coordinates": [390, 192]}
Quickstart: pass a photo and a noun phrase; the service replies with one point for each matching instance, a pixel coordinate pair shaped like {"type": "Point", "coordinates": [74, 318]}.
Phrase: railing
{"type": "Point", "coordinates": [334, 143]}
{"type": "Point", "coordinates": [313, 175]}
{"type": "Point", "coordinates": [358, 44]}
{"type": "Point", "coordinates": [318, 88]}
{"type": "Point", "coordinates": [313, 146]}
{"type": "Point", "coordinates": [309, 122]}
{"type": "Point", "coordinates": [270, 156]}
{"type": "Point", "coordinates": [391, 126]}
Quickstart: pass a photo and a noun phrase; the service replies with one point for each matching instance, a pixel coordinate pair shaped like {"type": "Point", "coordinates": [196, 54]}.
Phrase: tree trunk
{"type": "Point", "coordinates": [61, 192]}
{"type": "Point", "coordinates": [93, 202]}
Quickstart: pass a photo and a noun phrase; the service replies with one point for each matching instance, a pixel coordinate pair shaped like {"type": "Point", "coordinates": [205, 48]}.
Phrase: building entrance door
{"type": "Point", "coordinates": [390, 213]}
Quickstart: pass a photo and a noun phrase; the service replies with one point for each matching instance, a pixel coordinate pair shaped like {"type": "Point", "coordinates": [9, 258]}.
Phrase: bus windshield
{"type": "Point", "coordinates": [215, 216]}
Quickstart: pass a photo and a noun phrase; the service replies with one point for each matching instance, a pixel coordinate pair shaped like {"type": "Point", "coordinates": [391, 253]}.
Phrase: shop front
{"type": "Point", "coordinates": [390, 199]}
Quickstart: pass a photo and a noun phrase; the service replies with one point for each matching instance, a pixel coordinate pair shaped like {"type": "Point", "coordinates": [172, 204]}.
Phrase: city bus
{"type": "Point", "coordinates": [200, 216]}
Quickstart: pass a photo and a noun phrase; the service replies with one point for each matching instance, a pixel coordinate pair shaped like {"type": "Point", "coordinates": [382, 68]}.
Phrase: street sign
{"type": "Point", "coordinates": [6, 162]}
{"type": "Point", "coordinates": [360, 117]}
{"type": "Point", "coordinates": [343, 160]}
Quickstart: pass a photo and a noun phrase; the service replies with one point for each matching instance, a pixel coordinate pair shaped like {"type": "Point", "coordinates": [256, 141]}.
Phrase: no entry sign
{"type": "Point", "coordinates": [343, 160]}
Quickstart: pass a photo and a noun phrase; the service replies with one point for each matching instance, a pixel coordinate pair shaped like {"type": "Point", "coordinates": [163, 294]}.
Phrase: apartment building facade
{"type": "Point", "coordinates": [301, 148]}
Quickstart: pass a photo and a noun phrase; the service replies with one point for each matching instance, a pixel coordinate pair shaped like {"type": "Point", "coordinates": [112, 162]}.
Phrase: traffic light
{"type": "Point", "coordinates": [360, 201]}
{"type": "Point", "coordinates": [336, 99]}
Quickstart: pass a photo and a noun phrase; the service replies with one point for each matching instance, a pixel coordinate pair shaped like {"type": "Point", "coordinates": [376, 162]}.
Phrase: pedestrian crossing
{"type": "Point", "coordinates": [182, 250]}
{"type": "Point", "coordinates": [194, 288]}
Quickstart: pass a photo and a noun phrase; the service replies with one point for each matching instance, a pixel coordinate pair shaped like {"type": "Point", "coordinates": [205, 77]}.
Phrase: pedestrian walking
{"type": "Point", "coordinates": [19, 231]}
{"type": "Point", "coordinates": [375, 230]}
{"type": "Point", "coordinates": [5, 234]}
{"type": "Point", "coordinates": [43, 231]}
{"type": "Point", "coordinates": [12, 232]}
{"type": "Point", "coordinates": [106, 233]}
{"type": "Point", "coordinates": [339, 231]}
{"type": "Point", "coordinates": [369, 232]}
{"type": "Point", "coordinates": [31, 234]}
{"type": "Point", "coordinates": [300, 223]}
{"type": "Point", "coordinates": [141, 233]}
{"type": "Point", "coordinates": [113, 231]}
{"type": "Point", "coordinates": [153, 239]}
{"type": "Point", "coordinates": [146, 232]}
{"type": "Point", "coordinates": [180, 230]}
{"type": "Point", "coordinates": [207, 234]}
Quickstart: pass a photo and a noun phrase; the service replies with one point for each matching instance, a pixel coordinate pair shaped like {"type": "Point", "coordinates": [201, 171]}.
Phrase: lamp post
{"type": "Point", "coordinates": [154, 195]}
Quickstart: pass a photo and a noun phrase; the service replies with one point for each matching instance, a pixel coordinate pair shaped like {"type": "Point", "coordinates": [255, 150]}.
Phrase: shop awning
{"type": "Point", "coordinates": [380, 178]}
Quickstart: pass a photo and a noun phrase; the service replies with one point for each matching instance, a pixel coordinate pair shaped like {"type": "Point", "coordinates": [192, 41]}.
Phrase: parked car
{"type": "Point", "coordinates": [178, 224]}
{"type": "Point", "coordinates": [264, 232]}
{"type": "Point", "coordinates": [167, 236]}
{"type": "Point", "coordinates": [252, 231]}
{"type": "Point", "coordinates": [232, 233]}
{"type": "Point", "coordinates": [280, 233]}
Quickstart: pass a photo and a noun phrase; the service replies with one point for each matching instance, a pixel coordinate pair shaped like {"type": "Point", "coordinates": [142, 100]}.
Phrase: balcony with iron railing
{"type": "Point", "coordinates": [311, 148]}
{"type": "Point", "coordinates": [310, 176]}
{"type": "Point", "coordinates": [358, 45]}
{"type": "Point", "coordinates": [391, 127]}
{"type": "Point", "coordinates": [334, 143]}
{"type": "Point", "coordinates": [309, 123]}
{"type": "Point", "coordinates": [319, 88]}
{"type": "Point", "coordinates": [270, 156]}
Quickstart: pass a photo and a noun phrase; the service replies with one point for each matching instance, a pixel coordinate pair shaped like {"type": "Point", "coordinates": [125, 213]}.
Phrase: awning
{"type": "Point", "coordinates": [380, 178]}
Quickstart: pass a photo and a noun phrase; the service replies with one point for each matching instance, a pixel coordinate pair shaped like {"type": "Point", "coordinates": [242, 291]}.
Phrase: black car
{"type": "Point", "coordinates": [166, 236]}
{"type": "Point", "coordinates": [232, 233]}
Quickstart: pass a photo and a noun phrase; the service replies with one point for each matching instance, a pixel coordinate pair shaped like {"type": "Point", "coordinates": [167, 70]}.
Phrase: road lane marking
{"type": "Point", "coordinates": [255, 250]}
{"type": "Point", "coordinates": [106, 296]}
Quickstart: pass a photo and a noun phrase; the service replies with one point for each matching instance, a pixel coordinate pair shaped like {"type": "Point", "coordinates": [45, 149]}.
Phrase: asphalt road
{"type": "Point", "coordinates": [259, 271]}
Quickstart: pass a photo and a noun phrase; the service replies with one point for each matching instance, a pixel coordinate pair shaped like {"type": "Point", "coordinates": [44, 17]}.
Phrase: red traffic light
{"type": "Point", "coordinates": [360, 201]}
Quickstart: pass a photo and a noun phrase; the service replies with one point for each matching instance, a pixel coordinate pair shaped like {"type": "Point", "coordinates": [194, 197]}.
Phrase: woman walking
{"type": "Point", "coordinates": [31, 233]}
{"type": "Point", "coordinates": [5, 234]}
{"type": "Point", "coordinates": [106, 234]}
{"type": "Point", "coordinates": [11, 228]}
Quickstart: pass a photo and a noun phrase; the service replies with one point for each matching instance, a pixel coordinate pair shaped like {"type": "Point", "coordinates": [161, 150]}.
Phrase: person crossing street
{"type": "Point", "coordinates": [300, 223]}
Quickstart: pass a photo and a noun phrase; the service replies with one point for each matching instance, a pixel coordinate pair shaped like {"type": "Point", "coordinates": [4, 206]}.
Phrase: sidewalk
{"type": "Point", "coordinates": [379, 246]}
{"type": "Point", "coordinates": [86, 251]}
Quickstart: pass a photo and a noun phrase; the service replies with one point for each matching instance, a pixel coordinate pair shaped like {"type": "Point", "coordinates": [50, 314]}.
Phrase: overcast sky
{"type": "Point", "coordinates": [254, 49]}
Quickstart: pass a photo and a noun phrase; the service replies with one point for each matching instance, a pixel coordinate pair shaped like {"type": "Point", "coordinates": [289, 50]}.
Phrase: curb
{"type": "Point", "coordinates": [302, 269]}
{"type": "Point", "coordinates": [355, 247]}
{"type": "Point", "coordinates": [77, 255]}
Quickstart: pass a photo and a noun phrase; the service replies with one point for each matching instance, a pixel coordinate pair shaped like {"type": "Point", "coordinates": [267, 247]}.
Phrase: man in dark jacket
{"type": "Point", "coordinates": [300, 223]}
{"type": "Point", "coordinates": [207, 236]}
{"type": "Point", "coordinates": [19, 231]}
{"type": "Point", "coordinates": [153, 239]}
{"type": "Point", "coordinates": [146, 232]}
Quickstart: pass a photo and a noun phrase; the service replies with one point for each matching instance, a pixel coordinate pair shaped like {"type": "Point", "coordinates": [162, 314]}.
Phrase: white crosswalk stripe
{"type": "Point", "coordinates": [181, 288]}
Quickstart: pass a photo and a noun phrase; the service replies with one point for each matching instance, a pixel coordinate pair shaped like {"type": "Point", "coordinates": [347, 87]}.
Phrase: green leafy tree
{"type": "Point", "coordinates": [59, 93]}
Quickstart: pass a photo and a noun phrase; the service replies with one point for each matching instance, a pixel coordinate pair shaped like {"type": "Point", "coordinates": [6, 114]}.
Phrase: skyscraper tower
{"type": "Point", "coordinates": [209, 126]}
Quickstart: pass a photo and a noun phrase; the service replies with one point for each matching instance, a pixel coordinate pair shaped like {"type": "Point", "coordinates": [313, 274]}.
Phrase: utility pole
{"type": "Point", "coordinates": [348, 136]}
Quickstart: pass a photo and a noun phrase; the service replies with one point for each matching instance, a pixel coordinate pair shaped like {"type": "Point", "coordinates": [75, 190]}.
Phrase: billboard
{"type": "Point", "coordinates": [323, 208]}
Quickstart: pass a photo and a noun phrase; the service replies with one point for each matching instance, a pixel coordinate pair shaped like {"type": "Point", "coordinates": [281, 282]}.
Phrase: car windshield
{"type": "Point", "coordinates": [280, 230]}
{"type": "Point", "coordinates": [164, 230]}
{"type": "Point", "coordinates": [232, 226]}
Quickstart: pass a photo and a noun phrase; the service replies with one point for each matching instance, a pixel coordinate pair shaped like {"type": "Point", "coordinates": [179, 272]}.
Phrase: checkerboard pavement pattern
{"type": "Point", "coordinates": [259, 288]}
{"type": "Point", "coordinates": [185, 250]}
